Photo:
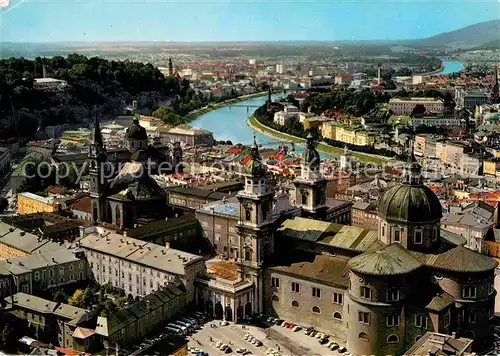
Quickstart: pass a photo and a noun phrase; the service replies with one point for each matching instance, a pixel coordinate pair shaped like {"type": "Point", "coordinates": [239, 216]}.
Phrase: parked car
{"type": "Point", "coordinates": [241, 350]}
{"type": "Point", "coordinates": [278, 321]}
{"type": "Point", "coordinates": [323, 340]}
{"type": "Point", "coordinates": [228, 350]}
{"type": "Point", "coordinates": [333, 346]}
{"type": "Point", "coordinates": [342, 349]}
{"type": "Point", "coordinates": [296, 328]}
{"type": "Point", "coordinates": [172, 330]}
{"type": "Point", "coordinates": [258, 343]}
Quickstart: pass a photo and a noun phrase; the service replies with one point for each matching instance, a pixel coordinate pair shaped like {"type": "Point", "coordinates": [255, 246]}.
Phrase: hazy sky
{"type": "Point", "coordinates": [230, 20]}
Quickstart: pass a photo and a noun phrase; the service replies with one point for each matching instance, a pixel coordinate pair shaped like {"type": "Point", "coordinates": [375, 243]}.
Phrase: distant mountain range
{"type": "Point", "coordinates": [481, 34]}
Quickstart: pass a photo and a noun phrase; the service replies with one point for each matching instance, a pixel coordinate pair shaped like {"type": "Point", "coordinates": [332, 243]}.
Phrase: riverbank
{"type": "Point", "coordinates": [206, 109]}
{"type": "Point", "coordinates": [322, 147]}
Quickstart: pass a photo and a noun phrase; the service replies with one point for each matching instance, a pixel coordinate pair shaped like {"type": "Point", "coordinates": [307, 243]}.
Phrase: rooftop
{"type": "Point", "coordinates": [229, 207]}
{"type": "Point", "coordinates": [440, 345]}
{"type": "Point", "coordinates": [137, 251]}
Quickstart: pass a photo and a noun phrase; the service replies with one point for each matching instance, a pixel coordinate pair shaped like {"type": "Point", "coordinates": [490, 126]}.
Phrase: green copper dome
{"type": "Point", "coordinates": [407, 203]}
{"type": "Point", "coordinates": [310, 156]}
{"type": "Point", "coordinates": [255, 167]}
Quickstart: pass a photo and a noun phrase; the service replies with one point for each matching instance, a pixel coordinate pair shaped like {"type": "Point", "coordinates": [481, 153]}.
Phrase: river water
{"type": "Point", "coordinates": [230, 123]}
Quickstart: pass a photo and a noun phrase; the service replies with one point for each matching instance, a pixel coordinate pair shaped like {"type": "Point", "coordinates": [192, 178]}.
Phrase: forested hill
{"type": "Point", "coordinates": [92, 82]}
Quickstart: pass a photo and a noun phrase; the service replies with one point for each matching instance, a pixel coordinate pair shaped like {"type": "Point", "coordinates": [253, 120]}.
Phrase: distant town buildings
{"type": "Point", "coordinates": [401, 106]}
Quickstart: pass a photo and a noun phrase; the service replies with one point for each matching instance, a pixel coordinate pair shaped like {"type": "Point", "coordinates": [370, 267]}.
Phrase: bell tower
{"type": "Point", "coordinates": [310, 186]}
{"type": "Point", "coordinates": [255, 225]}
{"type": "Point", "coordinates": [98, 186]}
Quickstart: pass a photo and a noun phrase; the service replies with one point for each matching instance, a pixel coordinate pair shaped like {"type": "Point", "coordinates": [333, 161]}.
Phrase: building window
{"type": "Point", "coordinates": [366, 292]}
{"type": "Point", "coordinates": [447, 318]}
{"type": "Point", "coordinates": [118, 215]}
{"type": "Point", "coordinates": [316, 310]}
{"type": "Point", "coordinates": [248, 255]}
{"type": "Point", "coordinates": [337, 316]}
{"type": "Point", "coordinates": [383, 230]}
{"type": "Point", "coordinates": [275, 282]}
{"type": "Point", "coordinates": [393, 295]}
{"type": "Point", "coordinates": [338, 298]}
{"type": "Point", "coordinates": [397, 236]}
{"type": "Point", "coordinates": [248, 214]}
{"type": "Point", "coordinates": [421, 321]}
{"type": "Point", "coordinates": [51, 273]}
{"type": "Point", "coordinates": [469, 292]}
{"type": "Point", "coordinates": [316, 292]}
{"type": "Point", "coordinates": [81, 275]}
{"type": "Point", "coordinates": [37, 276]}
{"type": "Point", "coordinates": [392, 339]}
{"type": "Point", "coordinates": [275, 298]}
{"type": "Point", "coordinates": [472, 316]}
{"type": "Point", "coordinates": [364, 318]}
{"type": "Point", "coordinates": [363, 336]}
{"type": "Point", "coordinates": [392, 320]}
{"type": "Point", "coordinates": [418, 236]}
{"type": "Point", "coordinates": [304, 198]}
{"type": "Point", "coordinates": [295, 304]}
{"type": "Point", "coordinates": [295, 287]}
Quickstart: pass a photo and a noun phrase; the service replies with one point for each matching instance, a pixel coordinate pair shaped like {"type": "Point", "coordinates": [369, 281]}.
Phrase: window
{"type": "Point", "coordinates": [363, 336]}
{"type": "Point", "coordinates": [392, 339]}
{"type": "Point", "coordinates": [364, 318]}
{"type": "Point", "coordinates": [81, 275]}
{"type": "Point", "coordinates": [366, 292]}
{"type": "Point", "coordinates": [421, 321]}
{"type": "Point", "coordinates": [275, 298]}
{"type": "Point", "coordinates": [248, 255]}
{"type": "Point", "coordinates": [337, 316]}
{"type": "Point", "coordinates": [469, 292]}
{"type": "Point", "coordinates": [417, 237]}
{"type": "Point", "coordinates": [447, 318]}
{"type": "Point", "coordinates": [392, 320]}
{"type": "Point", "coordinates": [383, 230]}
{"type": "Point", "coordinates": [71, 267]}
{"type": "Point", "coordinates": [397, 236]}
{"type": "Point", "coordinates": [316, 310]}
{"type": "Point", "coordinates": [51, 273]}
{"type": "Point", "coordinates": [61, 279]}
{"type": "Point", "coordinates": [316, 292]}
{"type": "Point", "coordinates": [295, 304]}
{"type": "Point", "coordinates": [393, 295]}
{"type": "Point", "coordinates": [275, 282]}
{"type": "Point", "coordinates": [37, 276]}
{"type": "Point", "coordinates": [472, 316]}
{"type": "Point", "coordinates": [295, 287]}
{"type": "Point", "coordinates": [304, 198]}
{"type": "Point", "coordinates": [338, 298]}
{"type": "Point", "coordinates": [248, 214]}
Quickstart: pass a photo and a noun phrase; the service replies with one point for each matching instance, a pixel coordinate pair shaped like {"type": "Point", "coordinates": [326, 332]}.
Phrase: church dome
{"type": "Point", "coordinates": [136, 131]}
{"type": "Point", "coordinates": [407, 203]}
{"type": "Point", "coordinates": [254, 167]}
{"type": "Point", "coordinates": [311, 156]}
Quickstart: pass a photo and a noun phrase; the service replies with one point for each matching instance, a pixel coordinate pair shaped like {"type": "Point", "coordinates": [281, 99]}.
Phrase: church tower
{"type": "Point", "coordinates": [98, 185]}
{"type": "Point", "coordinates": [255, 225]}
{"type": "Point", "coordinates": [310, 187]}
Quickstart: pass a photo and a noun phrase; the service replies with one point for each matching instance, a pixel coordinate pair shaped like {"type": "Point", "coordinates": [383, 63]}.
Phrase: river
{"type": "Point", "coordinates": [230, 123]}
{"type": "Point", "coordinates": [451, 66]}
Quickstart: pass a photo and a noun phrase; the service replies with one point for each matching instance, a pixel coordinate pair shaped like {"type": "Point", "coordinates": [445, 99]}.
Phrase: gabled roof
{"type": "Point", "coordinates": [390, 260]}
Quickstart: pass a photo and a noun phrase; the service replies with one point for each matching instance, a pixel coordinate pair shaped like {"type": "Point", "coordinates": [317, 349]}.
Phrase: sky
{"type": "Point", "coordinates": [236, 20]}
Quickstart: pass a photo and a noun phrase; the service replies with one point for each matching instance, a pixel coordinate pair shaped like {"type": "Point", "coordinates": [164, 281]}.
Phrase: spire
{"type": "Point", "coordinates": [170, 67]}
{"type": "Point", "coordinates": [413, 172]}
{"type": "Point", "coordinates": [96, 134]}
{"type": "Point", "coordinates": [310, 141]}
{"type": "Point", "coordinates": [255, 148]}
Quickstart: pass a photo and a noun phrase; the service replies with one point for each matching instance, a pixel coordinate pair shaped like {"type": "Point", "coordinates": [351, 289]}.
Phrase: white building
{"type": "Point", "coordinates": [49, 84]}
{"type": "Point", "coordinates": [136, 266]}
{"type": "Point", "coordinates": [279, 68]}
{"type": "Point", "coordinates": [281, 117]}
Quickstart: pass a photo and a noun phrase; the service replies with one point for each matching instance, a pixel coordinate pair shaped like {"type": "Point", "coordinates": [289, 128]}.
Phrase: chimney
{"type": "Point", "coordinates": [454, 335]}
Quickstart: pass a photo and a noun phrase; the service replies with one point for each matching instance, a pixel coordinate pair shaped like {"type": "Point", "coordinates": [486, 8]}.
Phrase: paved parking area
{"type": "Point", "coordinates": [289, 342]}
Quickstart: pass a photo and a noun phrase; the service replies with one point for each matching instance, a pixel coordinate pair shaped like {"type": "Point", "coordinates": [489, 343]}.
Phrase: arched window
{"type": "Point", "coordinates": [363, 336]}
{"type": "Point", "coordinates": [316, 310]}
{"type": "Point", "coordinates": [118, 215]}
{"type": "Point", "coordinates": [392, 339]}
{"type": "Point", "coordinates": [304, 197]}
{"type": "Point", "coordinates": [248, 214]}
{"type": "Point", "coordinates": [337, 316]}
{"type": "Point", "coordinates": [275, 298]}
{"type": "Point", "coordinates": [418, 236]}
{"type": "Point", "coordinates": [295, 304]}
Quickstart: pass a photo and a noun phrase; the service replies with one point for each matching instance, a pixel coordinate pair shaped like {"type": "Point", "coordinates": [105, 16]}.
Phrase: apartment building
{"type": "Point", "coordinates": [49, 321]}
{"type": "Point", "coordinates": [364, 214]}
{"type": "Point", "coordinates": [404, 106]}
{"type": "Point", "coordinates": [29, 203]}
{"type": "Point", "coordinates": [138, 267]}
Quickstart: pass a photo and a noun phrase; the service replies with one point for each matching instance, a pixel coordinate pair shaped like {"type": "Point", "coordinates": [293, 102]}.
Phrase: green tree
{"type": "Point", "coordinates": [168, 116]}
{"type": "Point", "coordinates": [77, 299]}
